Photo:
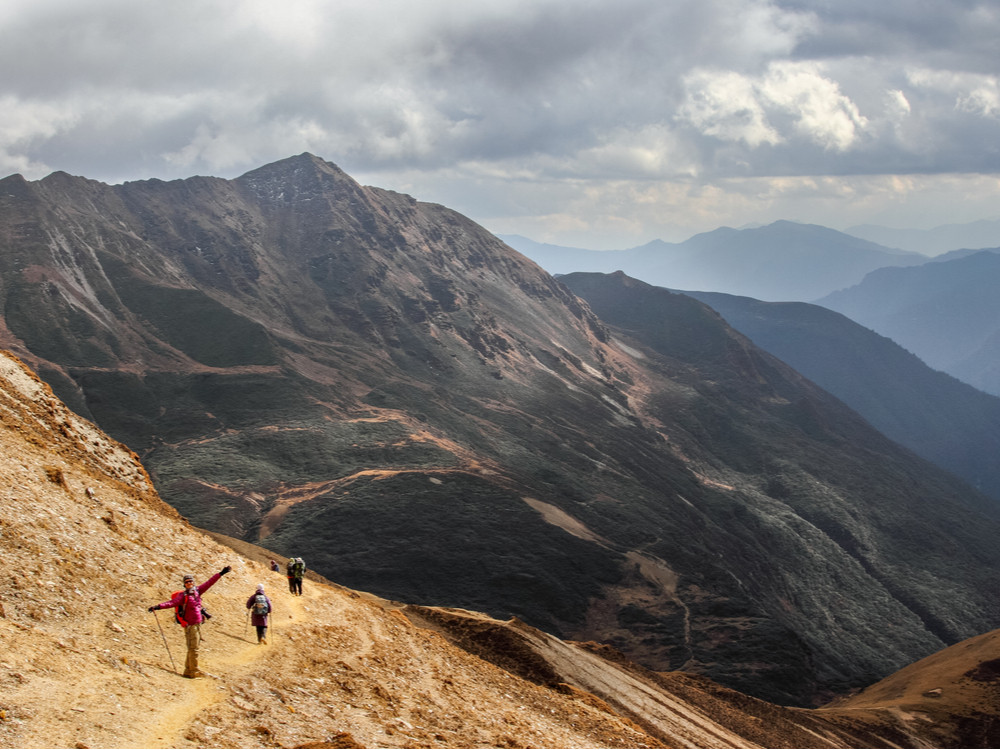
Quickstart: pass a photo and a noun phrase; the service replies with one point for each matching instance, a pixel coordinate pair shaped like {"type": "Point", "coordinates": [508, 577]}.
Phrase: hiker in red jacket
{"type": "Point", "coordinates": [189, 613]}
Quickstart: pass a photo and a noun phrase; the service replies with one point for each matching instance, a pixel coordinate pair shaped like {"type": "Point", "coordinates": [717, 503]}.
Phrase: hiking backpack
{"type": "Point", "coordinates": [260, 607]}
{"type": "Point", "coordinates": [179, 611]}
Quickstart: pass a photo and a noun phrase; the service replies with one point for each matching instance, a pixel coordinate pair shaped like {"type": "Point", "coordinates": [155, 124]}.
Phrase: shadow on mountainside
{"type": "Point", "coordinates": [89, 546]}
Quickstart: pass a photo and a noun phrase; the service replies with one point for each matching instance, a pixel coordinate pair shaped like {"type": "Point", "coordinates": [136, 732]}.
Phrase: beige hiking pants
{"type": "Point", "coordinates": [193, 635]}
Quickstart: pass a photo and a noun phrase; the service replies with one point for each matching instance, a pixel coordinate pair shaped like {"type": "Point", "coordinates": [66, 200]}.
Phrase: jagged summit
{"type": "Point", "coordinates": [301, 177]}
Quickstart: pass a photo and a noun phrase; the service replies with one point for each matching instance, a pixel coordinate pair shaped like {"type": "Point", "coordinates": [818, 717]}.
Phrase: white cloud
{"type": "Point", "coordinates": [727, 105]}
{"type": "Point", "coordinates": [23, 124]}
{"type": "Point", "coordinates": [735, 107]}
{"type": "Point", "coordinates": [764, 28]}
{"type": "Point", "coordinates": [973, 93]}
{"type": "Point", "coordinates": [651, 151]}
{"type": "Point", "coordinates": [983, 100]}
{"type": "Point", "coordinates": [821, 112]}
{"type": "Point", "coordinates": [898, 104]}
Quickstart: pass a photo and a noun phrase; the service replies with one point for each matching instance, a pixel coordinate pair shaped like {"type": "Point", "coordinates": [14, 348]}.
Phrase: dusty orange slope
{"type": "Point", "coordinates": [950, 699]}
{"type": "Point", "coordinates": [87, 546]}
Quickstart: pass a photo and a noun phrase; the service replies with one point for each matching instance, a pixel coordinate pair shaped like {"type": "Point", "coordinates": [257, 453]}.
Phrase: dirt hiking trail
{"type": "Point", "coordinates": [233, 662]}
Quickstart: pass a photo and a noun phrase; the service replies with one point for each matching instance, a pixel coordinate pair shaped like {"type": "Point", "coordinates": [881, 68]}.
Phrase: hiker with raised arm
{"type": "Point", "coordinates": [260, 610]}
{"type": "Point", "coordinates": [190, 615]}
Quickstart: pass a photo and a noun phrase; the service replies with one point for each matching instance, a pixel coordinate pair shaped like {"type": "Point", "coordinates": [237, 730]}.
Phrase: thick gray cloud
{"type": "Point", "coordinates": [596, 123]}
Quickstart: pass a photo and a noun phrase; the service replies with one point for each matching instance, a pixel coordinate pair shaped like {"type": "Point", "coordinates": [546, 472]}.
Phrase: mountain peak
{"type": "Point", "coordinates": [297, 178]}
{"type": "Point", "coordinates": [299, 165]}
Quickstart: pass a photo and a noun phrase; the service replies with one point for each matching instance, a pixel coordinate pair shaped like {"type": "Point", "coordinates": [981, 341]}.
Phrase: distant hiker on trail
{"type": "Point", "coordinates": [275, 567]}
{"type": "Point", "coordinates": [190, 614]}
{"type": "Point", "coordinates": [296, 569]}
{"type": "Point", "coordinates": [260, 609]}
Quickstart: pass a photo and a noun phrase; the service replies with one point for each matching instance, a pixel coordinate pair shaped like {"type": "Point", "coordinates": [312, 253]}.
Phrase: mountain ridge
{"type": "Point", "coordinates": [945, 311]}
{"type": "Point", "coordinates": [381, 386]}
{"type": "Point", "coordinates": [935, 241]}
{"type": "Point", "coordinates": [936, 415]}
{"type": "Point", "coordinates": [781, 261]}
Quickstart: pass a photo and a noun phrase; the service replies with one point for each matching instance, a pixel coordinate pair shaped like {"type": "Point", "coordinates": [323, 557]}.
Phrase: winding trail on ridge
{"type": "Point", "coordinates": [229, 652]}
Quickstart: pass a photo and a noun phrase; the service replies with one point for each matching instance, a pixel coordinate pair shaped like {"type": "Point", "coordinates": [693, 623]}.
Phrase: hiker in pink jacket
{"type": "Point", "coordinates": [260, 610]}
{"type": "Point", "coordinates": [189, 613]}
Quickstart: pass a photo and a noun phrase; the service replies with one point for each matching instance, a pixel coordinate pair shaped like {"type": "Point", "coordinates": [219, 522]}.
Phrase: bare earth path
{"type": "Point", "coordinates": [229, 655]}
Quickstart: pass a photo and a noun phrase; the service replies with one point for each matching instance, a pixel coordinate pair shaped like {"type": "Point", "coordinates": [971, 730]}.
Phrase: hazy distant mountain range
{"type": "Point", "coordinates": [783, 261]}
{"type": "Point", "coordinates": [383, 387]}
{"type": "Point", "coordinates": [975, 235]}
{"type": "Point", "coordinates": [947, 312]}
{"type": "Point", "coordinates": [946, 421]}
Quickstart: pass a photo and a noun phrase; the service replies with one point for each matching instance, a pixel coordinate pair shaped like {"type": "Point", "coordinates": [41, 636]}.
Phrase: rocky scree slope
{"type": "Point", "coordinates": [82, 664]}
{"type": "Point", "coordinates": [382, 387]}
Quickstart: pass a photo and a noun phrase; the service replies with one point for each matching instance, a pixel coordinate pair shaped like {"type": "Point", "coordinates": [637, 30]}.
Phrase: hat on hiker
{"type": "Point", "coordinates": [188, 577]}
{"type": "Point", "coordinates": [260, 587]}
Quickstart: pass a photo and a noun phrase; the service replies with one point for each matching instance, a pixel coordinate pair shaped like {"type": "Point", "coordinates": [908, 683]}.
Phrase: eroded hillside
{"type": "Point", "coordinates": [380, 385]}
{"type": "Point", "coordinates": [83, 664]}
{"type": "Point", "coordinates": [88, 546]}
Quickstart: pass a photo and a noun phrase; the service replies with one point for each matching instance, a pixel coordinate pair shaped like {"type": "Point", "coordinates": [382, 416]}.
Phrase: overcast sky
{"type": "Point", "coordinates": [591, 123]}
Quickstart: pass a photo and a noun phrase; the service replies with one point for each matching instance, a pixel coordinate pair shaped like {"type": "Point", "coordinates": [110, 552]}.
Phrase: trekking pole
{"type": "Point", "coordinates": [157, 618]}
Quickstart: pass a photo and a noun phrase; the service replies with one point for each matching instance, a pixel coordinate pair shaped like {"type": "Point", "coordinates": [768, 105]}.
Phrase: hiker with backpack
{"type": "Point", "coordinates": [296, 570]}
{"type": "Point", "coordinates": [190, 614]}
{"type": "Point", "coordinates": [260, 610]}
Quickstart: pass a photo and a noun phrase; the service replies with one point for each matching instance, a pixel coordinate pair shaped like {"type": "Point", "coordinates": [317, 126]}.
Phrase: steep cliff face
{"type": "Point", "coordinates": [382, 387]}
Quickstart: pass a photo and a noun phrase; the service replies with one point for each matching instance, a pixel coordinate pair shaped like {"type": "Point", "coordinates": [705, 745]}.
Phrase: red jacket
{"type": "Point", "coordinates": [191, 614]}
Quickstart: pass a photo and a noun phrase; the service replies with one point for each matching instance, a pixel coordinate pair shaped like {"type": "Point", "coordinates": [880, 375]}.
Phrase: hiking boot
{"type": "Point", "coordinates": [195, 674]}
{"type": "Point", "coordinates": [264, 641]}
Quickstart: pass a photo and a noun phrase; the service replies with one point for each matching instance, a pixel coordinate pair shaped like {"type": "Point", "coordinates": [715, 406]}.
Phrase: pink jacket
{"type": "Point", "coordinates": [192, 608]}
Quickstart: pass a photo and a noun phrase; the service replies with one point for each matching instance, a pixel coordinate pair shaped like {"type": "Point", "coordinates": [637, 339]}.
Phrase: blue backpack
{"type": "Point", "coordinates": [260, 607]}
